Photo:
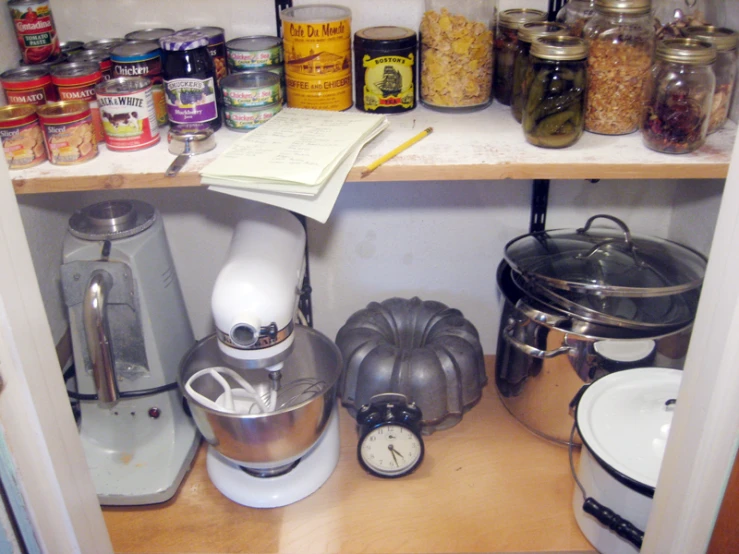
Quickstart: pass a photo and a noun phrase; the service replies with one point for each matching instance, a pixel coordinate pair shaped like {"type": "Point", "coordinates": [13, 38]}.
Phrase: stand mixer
{"type": "Point", "coordinates": [262, 390]}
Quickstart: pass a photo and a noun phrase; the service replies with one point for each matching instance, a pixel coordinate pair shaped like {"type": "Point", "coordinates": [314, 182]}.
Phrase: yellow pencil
{"type": "Point", "coordinates": [407, 144]}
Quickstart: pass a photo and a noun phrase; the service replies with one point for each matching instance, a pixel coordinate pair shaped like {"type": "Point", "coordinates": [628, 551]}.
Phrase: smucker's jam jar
{"type": "Point", "coordinates": [678, 96]}
{"type": "Point", "coordinates": [385, 69]}
{"type": "Point", "coordinates": [189, 82]}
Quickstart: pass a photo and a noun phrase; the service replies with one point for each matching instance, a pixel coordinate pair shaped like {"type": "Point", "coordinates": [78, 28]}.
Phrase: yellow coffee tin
{"type": "Point", "coordinates": [318, 56]}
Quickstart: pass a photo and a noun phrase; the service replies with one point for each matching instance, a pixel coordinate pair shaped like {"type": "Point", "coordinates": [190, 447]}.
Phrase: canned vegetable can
{"type": "Point", "coordinates": [21, 136]}
{"type": "Point", "coordinates": [68, 132]}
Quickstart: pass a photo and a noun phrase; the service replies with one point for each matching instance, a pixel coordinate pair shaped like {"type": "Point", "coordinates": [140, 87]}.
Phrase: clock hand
{"type": "Point", "coordinates": [392, 451]}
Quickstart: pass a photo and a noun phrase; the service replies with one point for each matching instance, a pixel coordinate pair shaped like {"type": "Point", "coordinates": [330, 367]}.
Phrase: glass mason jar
{"type": "Point", "coordinates": [575, 14]}
{"type": "Point", "coordinates": [553, 116]}
{"type": "Point", "coordinates": [522, 71]}
{"type": "Point", "coordinates": [678, 96]}
{"type": "Point", "coordinates": [725, 41]}
{"type": "Point", "coordinates": [621, 40]}
{"type": "Point", "coordinates": [506, 44]}
{"type": "Point", "coordinates": [456, 62]}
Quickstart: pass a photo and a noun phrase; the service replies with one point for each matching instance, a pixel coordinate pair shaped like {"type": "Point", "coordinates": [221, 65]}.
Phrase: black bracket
{"type": "Point", "coordinates": [539, 202]}
{"type": "Point", "coordinates": [279, 6]}
{"type": "Point", "coordinates": [554, 7]}
{"type": "Point", "coordinates": [304, 302]}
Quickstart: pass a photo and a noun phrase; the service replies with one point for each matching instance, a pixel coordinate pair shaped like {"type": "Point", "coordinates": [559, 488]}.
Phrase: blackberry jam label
{"type": "Point", "coordinates": [191, 100]}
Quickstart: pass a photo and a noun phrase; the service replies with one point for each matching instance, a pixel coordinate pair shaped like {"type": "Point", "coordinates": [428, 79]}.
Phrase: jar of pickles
{"type": "Point", "coordinates": [553, 116]}
{"type": "Point", "coordinates": [456, 65]}
{"type": "Point", "coordinates": [506, 46]}
{"type": "Point", "coordinates": [575, 14]}
{"type": "Point", "coordinates": [522, 70]}
{"type": "Point", "coordinates": [678, 96]}
{"type": "Point", "coordinates": [725, 41]}
{"type": "Point", "coordinates": [620, 39]}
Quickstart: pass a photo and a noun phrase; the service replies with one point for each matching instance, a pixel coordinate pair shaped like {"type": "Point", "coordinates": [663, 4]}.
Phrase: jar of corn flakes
{"type": "Point", "coordinates": [456, 62]}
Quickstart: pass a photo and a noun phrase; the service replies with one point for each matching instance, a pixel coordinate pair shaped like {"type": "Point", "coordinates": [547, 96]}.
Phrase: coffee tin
{"type": "Point", "coordinates": [21, 137]}
{"type": "Point", "coordinates": [149, 34]}
{"type": "Point", "coordinates": [246, 53]}
{"type": "Point", "coordinates": [101, 56]}
{"type": "Point", "coordinates": [142, 59]}
{"type": "Point", "coordinates": [28, 84]}
{"type": "Point", "coordinates": [127, 110]}
{"type": "Point", "coordinates": [34, 30]}
{"type": "Point", "coordinates": [248, 119]}
{"type": "Point", "coordinates": [251, 89]}
{"type": "Point", "coordinates": [68, 132]}
{"type": "Point", "coordinates": [76, 81]}
{"type": "Point", "coordinates": [318, 56]}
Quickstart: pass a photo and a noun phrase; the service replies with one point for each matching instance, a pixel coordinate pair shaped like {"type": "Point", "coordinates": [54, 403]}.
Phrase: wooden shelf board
{"type": "Point", "coordinates": [485, 485]}
{"type": "Point", "coordinates": [486, 145]}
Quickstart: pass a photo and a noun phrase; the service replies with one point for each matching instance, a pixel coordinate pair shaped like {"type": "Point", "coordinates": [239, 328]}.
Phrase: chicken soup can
{"type": "Point", "coordinates": [21, 137]}
{"type": "Point", "coordinates": [77, 81]}
{"type": "Point", "coordinates": [318, 56]}
{"type": "Point", "coordinates": [28, 84]}
{"type": "Point", "coordinates": [35, 31]}
{"type": "Point", "coordinates": [143, 59]}
{"type": "Point", "coordinates": [68, 132]}
{"type": "Point", "coordinates": [127, 111]}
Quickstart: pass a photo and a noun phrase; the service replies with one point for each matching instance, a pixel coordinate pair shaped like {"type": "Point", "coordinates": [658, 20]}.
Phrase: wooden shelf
{"type": "Point", "coordinates": [485, 485]}
{"type": "Point", "coordinates": [485, 145]}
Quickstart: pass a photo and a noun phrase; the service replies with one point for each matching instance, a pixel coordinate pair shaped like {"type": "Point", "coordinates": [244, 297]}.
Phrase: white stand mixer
{"type": "Point", "coordinates": [262, 389]}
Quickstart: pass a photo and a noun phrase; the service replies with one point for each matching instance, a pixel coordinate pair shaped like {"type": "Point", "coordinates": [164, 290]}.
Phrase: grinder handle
{"type": "Point", "coordinates": [613, 521]}
{"type": "Point", "coordinates": [97, 335]}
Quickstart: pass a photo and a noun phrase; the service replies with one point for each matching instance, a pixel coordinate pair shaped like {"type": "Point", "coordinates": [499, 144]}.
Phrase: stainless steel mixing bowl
{"type": "Point", "coordinates": [267, 440]}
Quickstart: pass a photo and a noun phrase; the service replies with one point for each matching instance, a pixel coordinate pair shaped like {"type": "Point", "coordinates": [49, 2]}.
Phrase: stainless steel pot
{"type": "Point", "coordinates": [544, 357]}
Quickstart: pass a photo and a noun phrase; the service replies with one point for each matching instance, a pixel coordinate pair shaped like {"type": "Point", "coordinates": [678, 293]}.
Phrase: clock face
{"type": "Point", "coordinates": [391, 450]}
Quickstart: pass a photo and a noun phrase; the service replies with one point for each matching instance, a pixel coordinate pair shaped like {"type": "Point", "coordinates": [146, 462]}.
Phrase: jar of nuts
{"type": "Point", "coordinates": [621, 40]}
{"type": "Point", "coordinates": [456, 62]}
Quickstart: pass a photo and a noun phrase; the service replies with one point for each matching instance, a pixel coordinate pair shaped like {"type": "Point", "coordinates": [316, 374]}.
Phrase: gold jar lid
{"type": "Point", "coordinates": [529, 31]}
{"type": "Point", "coordinates": [515, 18]}
{"type": "Point", "coordinates": [686, 50]}
{"type": "Point", "coordinates": [559, 48]}
{"type": "Point", "coordinates": [722, 38]}
{"type": "Point", "coordinates": [633, 7]}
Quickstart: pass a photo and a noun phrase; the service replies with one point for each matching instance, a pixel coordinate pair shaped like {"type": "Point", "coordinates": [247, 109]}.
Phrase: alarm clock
{"type": "Point", "coordinates": [390, 443]}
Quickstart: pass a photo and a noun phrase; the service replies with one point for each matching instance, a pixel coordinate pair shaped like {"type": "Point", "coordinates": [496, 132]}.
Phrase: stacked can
{"type": "Point", "coordinates": [21, 137]}
{"type": "Point", "coordinates": [28, 84]}
{"type": "Point", "coordinates": [76, 81]}
{"type": "Point", "coordinates": [142, 59]}
{"type": "Point", "coordinates": [101, 56]}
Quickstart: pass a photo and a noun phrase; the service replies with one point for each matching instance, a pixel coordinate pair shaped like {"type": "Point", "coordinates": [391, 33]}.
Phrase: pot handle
{"type": "Point", "coordinates": [530, 350]}
{"type": "Point", "coordinates": [614, 522]}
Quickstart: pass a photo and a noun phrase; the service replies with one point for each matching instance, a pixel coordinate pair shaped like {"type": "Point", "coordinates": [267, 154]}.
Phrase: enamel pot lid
{"type": "Point", "coordinates": [624, 420]}
{"type": "Point", "coordinates": [606, 261]}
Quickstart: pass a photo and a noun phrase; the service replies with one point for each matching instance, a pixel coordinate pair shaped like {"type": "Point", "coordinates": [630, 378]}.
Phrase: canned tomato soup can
{"type": "Point", "coordinates": [35, 31]}
{"type": "Point", "coordinates": [251, 89]}
{"type": "Point", "coordinates": [318, 56]}
{"type": "Point", "coordinates": [247, 119]}
{"type": "Point", "coordinates": [127, 110]}
{"type": "Point", "coordinates": [28, 84]}
{"type": "Point", "coordinates": [76, 81]}
{"type": "Point", "coordinates": [68, 132]}
{"type": "Point", "coordinates": [98, 55]}
{"type": "Point", "coordinates": [216, 48]}
{"type": "Point", "coordinates": [21, 137]}
{"type": "Point", "coordinates": [143, 59]}
{"type": "Point", "coordinates": [245, 53]}
{"type": "Point", "coordinates": [149, 34]}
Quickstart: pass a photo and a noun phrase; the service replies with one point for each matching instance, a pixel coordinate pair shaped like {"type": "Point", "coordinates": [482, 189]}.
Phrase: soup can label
{"type": "Point", "coordinates": [68, 132]}
{"type": "Point", "coordinates": [127, 111]}
{"type": "Point", "coordinates": [318, 61]}
{"type": "Point", "coordinates": [34, 29]}
{"type": "Point", "coordinates": [21, 137]}
{"type": "Point", "coordinates": [191, 100]}
{"type": "Point", "coordinates": [76, 81]}
{"type": "Point", "coordinates": [28, 85]}
{"type": "Point", "coordinates": [143, 60]}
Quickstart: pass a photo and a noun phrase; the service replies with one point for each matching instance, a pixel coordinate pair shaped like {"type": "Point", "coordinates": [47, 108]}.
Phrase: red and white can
{"type": "Point", "coordinates": [128, 113]}
{"type": "Point", "coordinates": [35, 31]}
{"type": "Point", "coordinates": [68, 132]}
{"type": "Point", "coordinates": [28, 84]}
{"type": "Point", "coordinates": [97, 55]}
{"type": "Point", "coordinates": [77, 81]}
{"type": "Point", "coordinates": [21, 137]}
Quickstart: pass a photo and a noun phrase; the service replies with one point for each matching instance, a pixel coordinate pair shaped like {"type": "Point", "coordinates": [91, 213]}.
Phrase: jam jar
{"type": "Point", "coordinates": [189, 82]}
{"type": "Point", "coordinates": [506, 45]}
{"type": "Point", "coordinates": [725, 41]}
{"type": "Point", "coordinates": [522, 71]}
{"type": "Point", "coordinates": [553, 116]}
{"type": "Point", "coordinates": [575, 14]}
{"type": "Point", "coordinates": [678, 96]}
{"type": "Point", "coordinates": [621, 40]}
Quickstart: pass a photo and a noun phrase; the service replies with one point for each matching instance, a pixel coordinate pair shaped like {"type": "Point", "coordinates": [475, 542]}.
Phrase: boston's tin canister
{"type": "Point", "coordinates": [318, 56]}
{"type": "Point", "coordinates": [68, 132]}
{"type": "Point", "coordinates": [21, 137]}
{"type": "Point", "coordinates": [35, 31]}
{"type": "Point", "coordinates": [142, 59]}
{"type": "Point", "coordinates": [28, 84]}
{"type": "Point", "coordinates": [245, 53]}
{"type": "Point", "coordinates": [248, 119]}
{"type": "Point", "coordinates": [127, 110]}
{"type": "Point", "coordinates": [76, 81]}
{"type": "Point", "coordinates": [385, 69]}
{"type": "Point", "coordinates": [251, 89]}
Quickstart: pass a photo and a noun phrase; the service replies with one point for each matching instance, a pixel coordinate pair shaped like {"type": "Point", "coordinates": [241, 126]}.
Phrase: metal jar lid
{"type": "Point", "coordinates": [628, 7]}
{"type": "Point", "coordinates": [112, 219]}
{"type": "Point", "coordinates": [686, 50]}
{"type": "Point", "coordinates": [315, 13]}
{"type": "Point", "coordinates": [606, 261]}
{"type": "Point", "coordinates": [385, 37]}
{"type": "Point", "coordinates": [529, 31]}
{"type": "Point", "coordinates": [624, 420]}
{"type": "Point", "coordinates": [149, 34]}
{"type": "Point", "coordinates": [722, 38]}
{"type": "Point", "coordinates": [515, 18]}
{"type": "Point", "coordinates": [559, 48]}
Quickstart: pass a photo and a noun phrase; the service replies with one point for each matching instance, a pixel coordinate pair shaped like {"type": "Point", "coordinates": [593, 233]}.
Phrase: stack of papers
{"type": "Point", "coordinates": [297, 160]}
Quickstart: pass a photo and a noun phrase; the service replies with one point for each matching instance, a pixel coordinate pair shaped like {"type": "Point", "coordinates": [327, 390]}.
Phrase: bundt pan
{"type": "Point", "coordinates": [422, 349]}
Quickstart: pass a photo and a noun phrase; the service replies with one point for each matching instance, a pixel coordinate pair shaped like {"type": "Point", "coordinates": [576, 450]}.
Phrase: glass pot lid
{"type": "Point", "coordinates": [606, 261]}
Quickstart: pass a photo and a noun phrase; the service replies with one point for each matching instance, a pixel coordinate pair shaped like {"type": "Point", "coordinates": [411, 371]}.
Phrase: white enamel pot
{"type": "Point", "coordinates": [623, 419]}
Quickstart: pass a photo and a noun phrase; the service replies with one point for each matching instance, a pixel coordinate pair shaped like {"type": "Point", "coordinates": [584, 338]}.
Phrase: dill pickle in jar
{"type": "Point", "coordinates": [553, 116]}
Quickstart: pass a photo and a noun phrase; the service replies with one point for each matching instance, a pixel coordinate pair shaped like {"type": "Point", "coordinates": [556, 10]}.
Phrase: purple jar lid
{"type": "Point", "coordinates": [184, 40]}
